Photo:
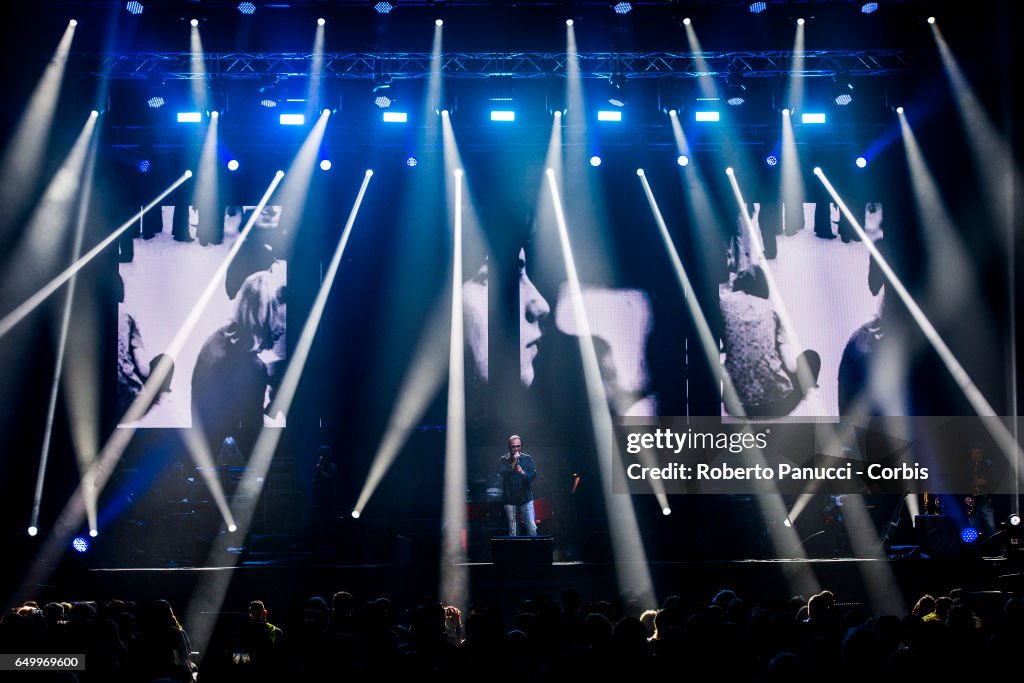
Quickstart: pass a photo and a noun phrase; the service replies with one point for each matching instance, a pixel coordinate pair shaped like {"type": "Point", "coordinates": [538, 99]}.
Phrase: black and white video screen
{"type": "Point", "coordinates": [799, 323]}
{"type": "Point", "coordinates": [223, 376]}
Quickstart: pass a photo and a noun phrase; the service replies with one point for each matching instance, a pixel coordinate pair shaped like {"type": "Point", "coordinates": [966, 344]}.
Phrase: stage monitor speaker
{"type": "Point", "coordinates": [533, 550]}
{"type": "Point", "coordinates": [938, 535]}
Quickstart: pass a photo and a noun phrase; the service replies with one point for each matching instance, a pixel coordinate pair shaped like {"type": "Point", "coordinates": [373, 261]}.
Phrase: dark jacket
{"type": "Point", "coordinates": [515, 486]}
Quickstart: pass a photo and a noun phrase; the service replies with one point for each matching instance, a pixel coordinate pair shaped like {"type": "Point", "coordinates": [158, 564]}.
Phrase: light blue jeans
{"type": "Point", "coordinates": [513, 513]}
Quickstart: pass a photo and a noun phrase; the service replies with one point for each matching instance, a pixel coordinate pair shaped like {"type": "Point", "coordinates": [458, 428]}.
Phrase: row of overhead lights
{"type": "Point", "coordinates": [386, 7]}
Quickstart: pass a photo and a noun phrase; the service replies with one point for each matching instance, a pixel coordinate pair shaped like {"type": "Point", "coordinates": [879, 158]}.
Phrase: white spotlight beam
{"type": "Point", "coordinates": [197, 69]}
{"type": "Point", "coordinates": [795, 84]}
{"type": "Point", "coordinates": [421, 382]}
{"type": "Point", "coordinates": [316, 68]}
{"type": "Point", "coordinates": [630, 560]}
{"type": "Point", "coordinates": [454, 576]}
{"type": "Point", "coordinates": [23, 160]}
{"type": "Point", "coordinates": [704, 79]}
{"type": "Point", "coordinates": [198, 449]}
{"type": "Point", "coordinates": [708, 342]}
{"type": "Point", "coordinates": [19, 313]}
{"type": "Point", "coordinates": [43, 235]}
{"type": "Point", "coordinates": [1002, 436]}
{"type": "Point", "coordinates": [209, 595]}
{"type": "Point", "coordinates": [792, 187]}
{"type": "Point", "coordinates": [81, 448]}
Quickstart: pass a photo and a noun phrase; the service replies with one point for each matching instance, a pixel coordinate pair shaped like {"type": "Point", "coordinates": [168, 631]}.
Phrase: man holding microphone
{"type": "Point", "coordinates": [517, 471]}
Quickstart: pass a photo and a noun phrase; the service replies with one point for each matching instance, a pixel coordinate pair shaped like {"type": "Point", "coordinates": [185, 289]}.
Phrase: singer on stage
{"type": "Point", "coordinates": [517, 471]}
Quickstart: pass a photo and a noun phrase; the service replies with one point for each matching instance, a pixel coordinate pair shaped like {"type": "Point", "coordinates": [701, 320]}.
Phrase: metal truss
{"type": "Point", "coordinates": [365, 65]}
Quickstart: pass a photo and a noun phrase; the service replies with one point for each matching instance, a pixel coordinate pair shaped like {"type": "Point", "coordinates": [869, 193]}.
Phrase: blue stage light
{"type": "Point", "coordinates": [771, 160]}
{"type": "Point", "coordinates": [144, 166]}
{"type": "Point", "coordinates": [868, 7]}
{"type": "Point", "coordinates": [622, 8]}
{"type": "Point", "coordinates": [246, 8]}
{"type": "Point", "coordinates": [383, 7]}
{"type": "Point", "coordinates": [325, 165]}
{"type": "Point", "coordinates": [233, 165]}
{"type": "Point", "coordinates": [155, 102]}
{"type": "Point", "coordinates": [861, 162]}
{"type": "Point", "coordinates": [595, 161]}
{"type": "Point", "coordinates": [969, 535]}
{"type": "Point", "coordinates": [80, 544]}
{"type": "Point", "coordinates": [758, 7]}
{"type": "Point", "coordinates": [411, 161]}
{"type": "Point", "coordinates": [134, 7]}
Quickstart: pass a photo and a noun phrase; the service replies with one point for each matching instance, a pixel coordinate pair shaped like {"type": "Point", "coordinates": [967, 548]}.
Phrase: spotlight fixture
{"type": "Point", "coordinates": [683, 160]}
{"type": "Point", "coordinates": [899, 110]}
{"type": "Point", "coordinates": [155, 102]}
{"type": "Point", "coordinates": [189, 117]}
{"type": "Point", "coordinates": [395, 117]}
{"type": "Point", "coordinates": [383, 7]}
{"type": "Point", "coordinates": [758, 7]}
{"type": "Point", "coordinates": [233, 165]}
{"type": "Point", "coordinates": [246, 8]}
{"type": "Point", "coordinates": [321, 21]}
{"type": "Point", "coordinates": [666, 511]}
{"type": "Point", "coordinates": [868, 7]}
{"type": "Point", "coordinates": [1014, 519]}
{"type": "Point", "coordinates": [842, 90]}
{"type": "Point", "coordinates": [80, 544]}
{"type": "Point", "coordinates": [325, 165]}
{"type": "Point", "coordinates": [355, 514]}
{"type": "Point", "coordinates": [617, 90]}
{"type": "Point", "coordinates": [861, 162]}
{"type": "Point", "coordinates": [194, 23]}
{"type": "Point", "coordinates": [800, 21]}
{"type": "Point", "coordinates": [268, 103]}
{"type": "Point", "coordinates": [969, 535]}
{"type": "Point", "coordinates": [931, 20]}
{"type": "Point", "coordinates": [382, 91]}
{"type": "Point", "coordinates": [411, 161]}
{"type": "Point", "coordinates": [706, 116]}
{"type": "Point", "coordinates": [771, 161]}
{"type": "Point", "coordinates": [144, 166]}
{"type": "Point", "coordinates": [812, 117]}
{"type": "Point", "coordinates": [232, 528]}
{"type": "Point", "coordinates": [595, 161]}
{"type": "Point", "coordinates": [93, 533]}
{"type": "Point", "coordinates": [292, 119]}
{"type": "Point", "coordinates": [134, 7]}
{"type": "Point", "coordinates": [568, 22]}
{"type": "Point", "coordinates": [735, 91]}
{"type": "Point", "coordinates": [33, 530]}
{"type": "Point", "coordinates": [622, 7]}
{"type": "Point", "coordinates": [606, 115]}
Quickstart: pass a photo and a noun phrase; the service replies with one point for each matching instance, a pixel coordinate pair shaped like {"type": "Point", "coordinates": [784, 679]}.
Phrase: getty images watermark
{"type": "Point", "coordinates": [798, 455]}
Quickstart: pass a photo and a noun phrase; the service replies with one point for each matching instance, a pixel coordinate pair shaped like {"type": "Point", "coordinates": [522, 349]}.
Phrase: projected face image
{"type": "Point", "coordinates": [533, 309]}
{"type": "Point", "coordinates": [474, 316]}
